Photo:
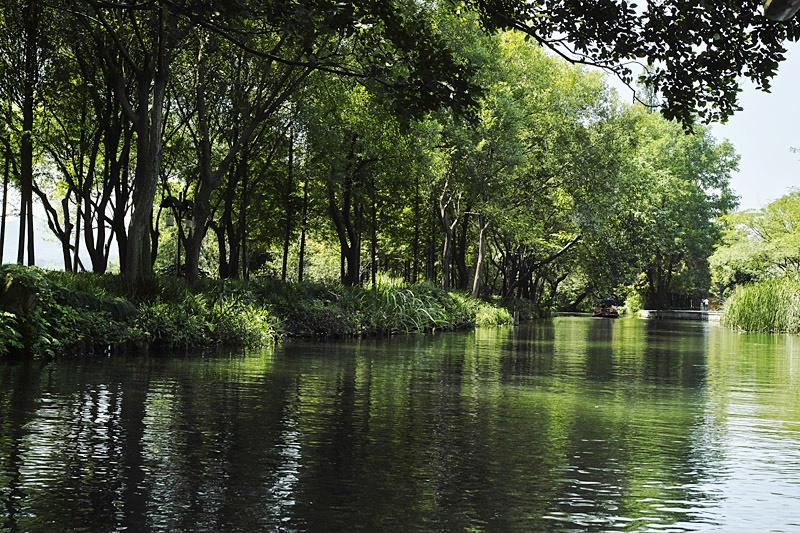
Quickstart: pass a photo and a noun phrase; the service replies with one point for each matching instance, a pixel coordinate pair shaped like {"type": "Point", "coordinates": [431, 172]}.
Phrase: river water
{"type": "Point", "coordinates": [570, 424]}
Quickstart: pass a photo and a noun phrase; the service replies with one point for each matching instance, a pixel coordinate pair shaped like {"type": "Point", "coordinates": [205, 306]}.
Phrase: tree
{"type": "Point", "coordinates": [527, 170]}
{"type": "Point", "coordinates": [137, 44]}
{"type": "Point", "coordinates": [696, 52]}
{"type": "Point", "coordinates": [759, 244]}
{"type": "Point", "coordinates": [25, 48]}
{"type": "Point", "coordinates": [683, 188]}
{"type": "Point", "coordinates": [356, 146]}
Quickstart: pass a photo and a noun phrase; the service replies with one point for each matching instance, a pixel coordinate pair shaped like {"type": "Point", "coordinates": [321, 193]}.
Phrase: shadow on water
{"type": "Point", "coordinates": [570, 424]}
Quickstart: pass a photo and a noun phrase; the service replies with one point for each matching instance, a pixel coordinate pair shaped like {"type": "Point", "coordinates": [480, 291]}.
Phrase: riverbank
{"type": "Point", "coordinates": [52, 312]}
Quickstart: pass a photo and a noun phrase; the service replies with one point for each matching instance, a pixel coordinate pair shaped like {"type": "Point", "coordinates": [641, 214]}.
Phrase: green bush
{"type": "Point", "coordinates": [10, 334]}
{"type": "Point", "coordinates": [43, 323]}
{"type": "Point", "coordinates": [170, 325]}
{"type": "Point", "coordinates": [236, 318]}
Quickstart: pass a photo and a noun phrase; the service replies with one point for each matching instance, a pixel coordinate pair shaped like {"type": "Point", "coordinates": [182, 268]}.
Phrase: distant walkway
{"type": "Point", "coordinates": [681, 314]}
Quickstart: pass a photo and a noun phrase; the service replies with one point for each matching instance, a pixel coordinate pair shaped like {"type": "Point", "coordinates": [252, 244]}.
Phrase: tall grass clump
{"type": "Point", "coordinates": [769, 306]}
{"type": "Point", "coordinates": [491, 315]}
{"type": "Point", "coordinates": [400, 308]}
{"type": "Point", "coordinates": [390, 306]}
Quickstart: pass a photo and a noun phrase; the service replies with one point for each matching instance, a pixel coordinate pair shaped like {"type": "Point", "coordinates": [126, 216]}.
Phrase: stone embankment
{"type": "Point", "coordinates": [681, 314]}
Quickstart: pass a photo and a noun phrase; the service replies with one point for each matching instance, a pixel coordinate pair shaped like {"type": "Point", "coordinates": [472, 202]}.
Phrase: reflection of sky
{"type": "Point", "coordinates": [756, 477]}
{"type": "Point", "coordinates": [761, 484]}
{"type": "Point", "coordinates": [755, 410]}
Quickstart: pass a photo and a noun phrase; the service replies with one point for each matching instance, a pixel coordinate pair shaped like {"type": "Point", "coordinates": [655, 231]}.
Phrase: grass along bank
{"type": "Point", "coordinates": [53, 312]}
{"type": "Point", "coordinates": [772, 305]}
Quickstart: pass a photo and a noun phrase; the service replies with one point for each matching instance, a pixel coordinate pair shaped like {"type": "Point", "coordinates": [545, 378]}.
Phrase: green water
{"type": "Point", "coordinates": [574, 424]}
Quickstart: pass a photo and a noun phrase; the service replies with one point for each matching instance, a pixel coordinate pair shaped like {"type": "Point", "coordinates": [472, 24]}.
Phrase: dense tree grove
{"type": "Point", "coordinates": [443, 141]}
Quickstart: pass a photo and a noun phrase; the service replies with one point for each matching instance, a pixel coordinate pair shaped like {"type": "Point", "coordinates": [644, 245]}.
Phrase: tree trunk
{"type": "Point", "coordinates": [346, 209]}
{"type": "Point", "coordinates": [345, 221]}
{"type": "Point", "coordinates": [447, 252]}
{"type": "Point", "coordinates": [66, 237]}
{"type": "Point", "coordinates": [287, 235]}
{"type": "Point", "coordinates": [30, 15]}
{"type": "Point", "coordinates": [148, 118]}
{"type": "Point", "coordinates": [244, 202]}
{"type": "Point", "coordinates": [139, 265]}
{"type": "Point", "coordinates": [448, 226]}
{"type": "Point", "coordinates": [460, 255]}
{"type": "Point", "coordinates": [6, 170]}
{"type": "Point", "coordinates": [374, 237]}
{"type": "Point", "coordinates": [77, 243]}
{"type": "Point", "coordinates": [415, 241]}
{"type": "Point", "coordinates": [304, 223]}
{"type": "Point", "coordinates": [480, 262]}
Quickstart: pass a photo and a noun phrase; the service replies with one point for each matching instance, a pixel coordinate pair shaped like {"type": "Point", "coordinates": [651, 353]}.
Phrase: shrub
{"type": "Point", "coordinates": [10, 333]}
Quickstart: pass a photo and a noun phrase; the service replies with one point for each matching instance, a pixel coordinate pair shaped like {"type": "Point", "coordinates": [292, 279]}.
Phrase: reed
{"type": "Point", "coordinates": [772, 305]}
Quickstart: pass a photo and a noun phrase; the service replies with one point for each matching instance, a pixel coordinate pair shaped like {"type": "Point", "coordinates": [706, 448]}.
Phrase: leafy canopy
{"type": "Point", "coordinates": [695, 52]}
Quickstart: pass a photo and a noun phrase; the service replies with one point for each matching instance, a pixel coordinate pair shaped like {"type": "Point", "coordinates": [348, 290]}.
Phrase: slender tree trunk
{"type": "Point", "coordinates": [243, 228]}
{"type": "Point", "coordinates": [66, 235]}
{"type": "Point", "coordinates": [460, 255]}
{"type": "Point", "coordinates": [234, 239]}
{"type": "Point", "coordinates": [302, 254]}
{"type": "Point", "coordinates": [209, 178]}
{"type": "Point", "coordinates": [6, 170]}
{"type": "Point", "coordinates": [222, 269]}
{"type": "Point", "coordinates": [374, 238]}
{"type": "Point", "coordinates": [448, 226]}
{"type": "Point", "coordinates": [481, 259]}
{"type": "Point", "coordinates": [77, 244]}
{"type": "Point", "coordinates": [287, 236]}
{"type": "Point", "coordinates": [415, 252]}
{"type": "Point", "coordinates": [447, 253]}
{"type": "Point", "coordinates": [31, 14]}
{"type": "Point", "coordinates": [431, 245]}
{"type": "Point", "coordinates": [117, 180]}
{"type": "Point", "coordinates": [23, 220]}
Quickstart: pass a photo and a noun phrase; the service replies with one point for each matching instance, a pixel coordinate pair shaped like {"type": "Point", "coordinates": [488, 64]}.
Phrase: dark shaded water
{"type": "Point", "coordinates": [573, 424]}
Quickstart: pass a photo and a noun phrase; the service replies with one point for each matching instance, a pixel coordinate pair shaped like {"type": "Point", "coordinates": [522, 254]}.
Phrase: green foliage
{"type": "Point", "coordinates": [50, 319]}
{"type": "Point", "coordinates": [772, 305]}
{"type": "Point", "coordinates": [633, 303]}
{"type": "Point", "coordinates": [392, 306]}
{"type": "Point", "coordinates": [10, 334]}
{"type": "Point", "coordinates": [47, 313]}
{"type": "Point", "coordinates": [173, 325]}
{"type": "Point", "coordinates": [492, 315]}
{"type": "Point", "coordinates": [759, 244]}
{"type": "Point", "coordinates": [695, 55]}
{"type": "Point", "coordinates": [675, 189]}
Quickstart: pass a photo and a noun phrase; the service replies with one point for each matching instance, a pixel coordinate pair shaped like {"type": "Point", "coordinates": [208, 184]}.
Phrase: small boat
{"type": "Point", "coordinates": [606, 308]}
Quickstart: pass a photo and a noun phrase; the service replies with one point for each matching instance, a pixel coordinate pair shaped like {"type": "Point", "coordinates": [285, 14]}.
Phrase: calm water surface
{"type": "Point", "coordinates": [574, 424]}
